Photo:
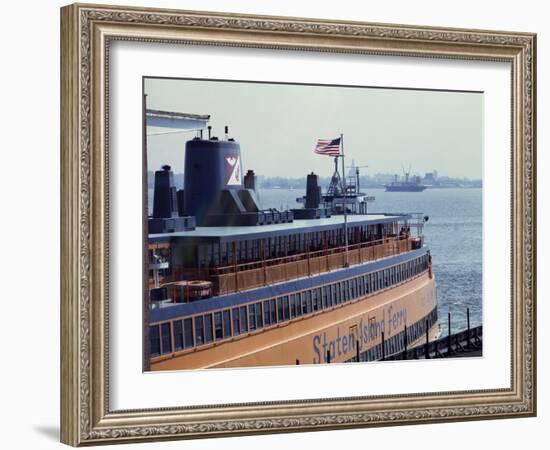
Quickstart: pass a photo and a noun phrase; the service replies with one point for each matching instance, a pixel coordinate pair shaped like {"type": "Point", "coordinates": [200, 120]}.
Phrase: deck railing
{"type": "Point", "coordinates": [249, 275]}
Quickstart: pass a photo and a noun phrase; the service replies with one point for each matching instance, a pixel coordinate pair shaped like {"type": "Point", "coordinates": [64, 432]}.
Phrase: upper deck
{"type": "Point", "coordinates": [236, 258]}
{"type": "Point", "coordinates": [240, 233]}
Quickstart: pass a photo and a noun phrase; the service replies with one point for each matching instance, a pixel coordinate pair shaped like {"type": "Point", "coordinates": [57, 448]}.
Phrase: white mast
{"type": "Point", "coordinates": [346, 261]}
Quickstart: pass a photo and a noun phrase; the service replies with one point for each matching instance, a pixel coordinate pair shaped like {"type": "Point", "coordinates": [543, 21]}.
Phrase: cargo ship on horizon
{"type": "Point", "coordinates": [410, 184]}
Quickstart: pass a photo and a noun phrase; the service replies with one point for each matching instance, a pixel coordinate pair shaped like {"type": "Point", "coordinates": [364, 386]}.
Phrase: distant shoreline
{"type": "Point", "coordinates": [377, 181]}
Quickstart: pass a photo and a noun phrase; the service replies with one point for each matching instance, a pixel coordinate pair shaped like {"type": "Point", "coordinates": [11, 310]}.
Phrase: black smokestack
{"type": "Point", "coordinates": [250, 180]}
{"type": "Point", "coordinates": [165, 203]}
{"type": "Point", "coordinates": [313, 196]}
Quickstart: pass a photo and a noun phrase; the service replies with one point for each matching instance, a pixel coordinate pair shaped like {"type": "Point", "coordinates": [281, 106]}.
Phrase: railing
{"type": "Point", "coordinates": [464, 343]}
{"type": "Point", "coordinates": [249, 275]}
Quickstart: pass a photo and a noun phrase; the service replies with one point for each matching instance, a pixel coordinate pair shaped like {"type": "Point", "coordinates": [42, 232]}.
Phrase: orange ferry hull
{"type": "Point", "coordinates": [335, 335]}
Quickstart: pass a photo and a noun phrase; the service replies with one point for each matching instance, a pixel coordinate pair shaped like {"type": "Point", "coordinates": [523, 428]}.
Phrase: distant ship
{"type": "Point", "coordinates": [411, 184]}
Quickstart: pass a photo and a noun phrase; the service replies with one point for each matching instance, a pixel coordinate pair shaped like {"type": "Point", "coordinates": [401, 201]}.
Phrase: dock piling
{"type": "Point", "coordinates": [405, 343]}
{"type": "Point", "coordinates": [383, 349]}
{"type": "Point", "coordinates": [449, 341]}
{"type": "Point", "coordinates": [427, 345]}
{"type": "Point", "coordinates": [468, 343]}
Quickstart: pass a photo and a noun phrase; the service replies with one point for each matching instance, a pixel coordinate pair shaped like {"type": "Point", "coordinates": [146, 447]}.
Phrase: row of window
{"type": "Point", "coordinates": [207, 328]}
{"type": "Point", "coordinates": [277, 246]}
{"type": "Point", "coordinates": [396, 343]}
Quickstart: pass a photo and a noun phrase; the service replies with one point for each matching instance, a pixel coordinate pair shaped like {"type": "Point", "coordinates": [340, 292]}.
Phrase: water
{"type": "Point", "coordinates": [453, 233]}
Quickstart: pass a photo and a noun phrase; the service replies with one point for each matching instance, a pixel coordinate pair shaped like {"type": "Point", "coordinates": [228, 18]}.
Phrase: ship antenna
{"type": "Point", "coordinates": [209, 131]}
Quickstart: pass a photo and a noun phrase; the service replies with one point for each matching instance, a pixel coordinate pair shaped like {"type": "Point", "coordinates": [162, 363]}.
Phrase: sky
{"type": "Point", "coordinates": [277, 126]}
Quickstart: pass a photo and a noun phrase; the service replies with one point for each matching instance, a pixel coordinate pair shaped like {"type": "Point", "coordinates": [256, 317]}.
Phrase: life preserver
{"type": "Point", "coordinates": [199, 289]}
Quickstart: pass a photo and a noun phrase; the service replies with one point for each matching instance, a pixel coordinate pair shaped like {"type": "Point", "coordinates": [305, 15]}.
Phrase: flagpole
{"type": "Point", "coordinates": [346, 260]}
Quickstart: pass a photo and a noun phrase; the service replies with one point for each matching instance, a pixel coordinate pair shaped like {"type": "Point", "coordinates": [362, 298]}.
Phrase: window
{"type": "Point", "coordinates": [304, 303]}
{"type": "Point", "coordinates": [166, 338]}
{"type": "Point", "coordinates": [280, 309]}
{"type": "Point", "coordinates": [244, 327]}
{"type": "Point", "coordinates": [236, 322]}
{"type": "Point", "coordinates": [208, 328]}
{"type": "Point", "coordinates": [286, 309]}
{"type": "Point", "coordinates": [314, 300]}
{"type": "Point", "coordinates": [259, 321]}
{"type": "Point", "coordinates": [298, 305]}
{"type": "Point", "coordinates": [252, 316]}
{"type": "Point", "coordinates": [328, 294]}
{"type": "Point", "coordinates": [308, 302]}
{"type": "Point", "coordinates": [218, 328]}
{"type": "Point", "coordinates": [178, 335]}
{"type": "Point", "coordinates": [154, 339]}
{"type": "Point", "coordinates": [292, 305]}
{"type": "Point", "coordinates": [226, 323]}
{"type": "Point", "coordinates": [267, 317]}
{"type": "Point", "coordinates": [188, 333]}
{"type": "Point", "coordinates": [199, 330]}
{"type": "Point", "coordinates": [272, 311]}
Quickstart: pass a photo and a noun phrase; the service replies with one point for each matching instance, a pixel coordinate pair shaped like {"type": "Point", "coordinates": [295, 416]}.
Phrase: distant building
{"type": "Point", "coordinates": [430, 178]}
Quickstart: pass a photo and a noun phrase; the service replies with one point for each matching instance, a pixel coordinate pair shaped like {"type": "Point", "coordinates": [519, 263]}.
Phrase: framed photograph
{"type": "Point", "coordinates": [278, 224]}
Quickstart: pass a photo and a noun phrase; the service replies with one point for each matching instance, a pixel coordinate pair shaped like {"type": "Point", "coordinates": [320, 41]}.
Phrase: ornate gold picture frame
{"type": "Point", "coordinates": [87, 32]}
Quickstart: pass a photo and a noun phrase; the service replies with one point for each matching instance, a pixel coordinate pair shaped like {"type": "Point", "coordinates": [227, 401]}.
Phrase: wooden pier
{"type": "Point", "coordinates": [466, 343]}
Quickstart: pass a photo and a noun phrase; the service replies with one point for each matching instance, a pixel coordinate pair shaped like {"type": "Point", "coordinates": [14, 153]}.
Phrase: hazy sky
{"type": "Point", "coordinates": [278, 125]}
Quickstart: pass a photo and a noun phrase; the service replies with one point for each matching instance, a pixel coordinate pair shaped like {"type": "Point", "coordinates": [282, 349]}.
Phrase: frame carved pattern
{"type": "Point", "coordinates": [84, 430]}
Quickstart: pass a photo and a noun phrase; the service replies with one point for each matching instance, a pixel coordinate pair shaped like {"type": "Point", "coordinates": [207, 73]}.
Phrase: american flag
{"type": "Point", "coordinates": [328, 147]}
